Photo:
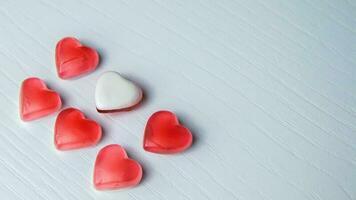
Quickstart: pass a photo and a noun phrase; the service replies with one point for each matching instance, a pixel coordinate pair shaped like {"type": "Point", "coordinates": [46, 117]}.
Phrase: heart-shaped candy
{"type": "Point", "coordinates": [72, 130]}
{"type": "Point", "coordinates": [74, 59]}
{"type": "Point", "coordinates": [114, 93]}
{"type": "Point", "coordinates": [36, 100]}
{"type": "Point", "coordinates": [164, 134]}
{"type": "Point", "coordinates": [113, 169]}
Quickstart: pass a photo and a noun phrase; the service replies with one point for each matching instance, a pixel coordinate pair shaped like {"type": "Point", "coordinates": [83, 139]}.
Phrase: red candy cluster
{"type": "Point", "coordinates": [113, 168]}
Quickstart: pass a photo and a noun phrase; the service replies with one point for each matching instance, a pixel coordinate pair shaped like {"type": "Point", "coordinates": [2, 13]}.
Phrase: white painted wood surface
{"type": "Point", "coordinates": [268, 89]}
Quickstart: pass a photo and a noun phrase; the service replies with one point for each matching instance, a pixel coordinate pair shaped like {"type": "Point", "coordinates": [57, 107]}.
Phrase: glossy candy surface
{"type": "Point", "coordinates": [113, 169]}
{"type": "Point", "coordinates": [72, 130]}
{"type": "Point", "coordinates": [114, 93]}
{"type": "Point", "coordinates": [164, 134]}
{"type": "Point", "coordinates": [74, 59]}
{"type": "Point", "coordinates": [36, 100]}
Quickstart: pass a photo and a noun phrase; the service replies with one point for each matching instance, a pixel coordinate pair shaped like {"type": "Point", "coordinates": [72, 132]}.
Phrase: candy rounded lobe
{"type": "Point", "coordinates": [36, 100]}
{"type": "Point", "coordinates": [164, 135]}
{"type": "Point", "coordinates": [114, 93]}
{"type": "Point", "coordinates": [74, 59]}
{"type": "Point", "coordinates": [73, 131]}
{"type": "Point", "coordinates": [113, 169]}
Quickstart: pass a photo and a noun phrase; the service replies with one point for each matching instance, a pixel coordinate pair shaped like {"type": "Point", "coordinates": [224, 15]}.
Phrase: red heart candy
{"type": "Point", "coordinates": [72, 130]}
{"type": "Point", "coordinates": [36, 100]}
{"type": "Point", "coordinates": [113, 169]}
{"type": "Point", "coordinates": [164, 134]}
{"type": "Point", "coordinates": [74, 59]}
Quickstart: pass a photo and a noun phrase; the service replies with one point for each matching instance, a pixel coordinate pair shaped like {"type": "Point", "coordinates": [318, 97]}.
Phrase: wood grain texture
{"type": "Point", "coordinates": [268, 89]}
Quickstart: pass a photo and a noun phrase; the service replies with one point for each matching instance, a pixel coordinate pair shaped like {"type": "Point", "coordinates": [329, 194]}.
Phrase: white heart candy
{"type": "Point", "coordinates": [115, 93]}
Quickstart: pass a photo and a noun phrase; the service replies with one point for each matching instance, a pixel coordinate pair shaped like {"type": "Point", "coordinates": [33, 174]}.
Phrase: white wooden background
{"type": "Point", "coordinates": [267, 87]}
